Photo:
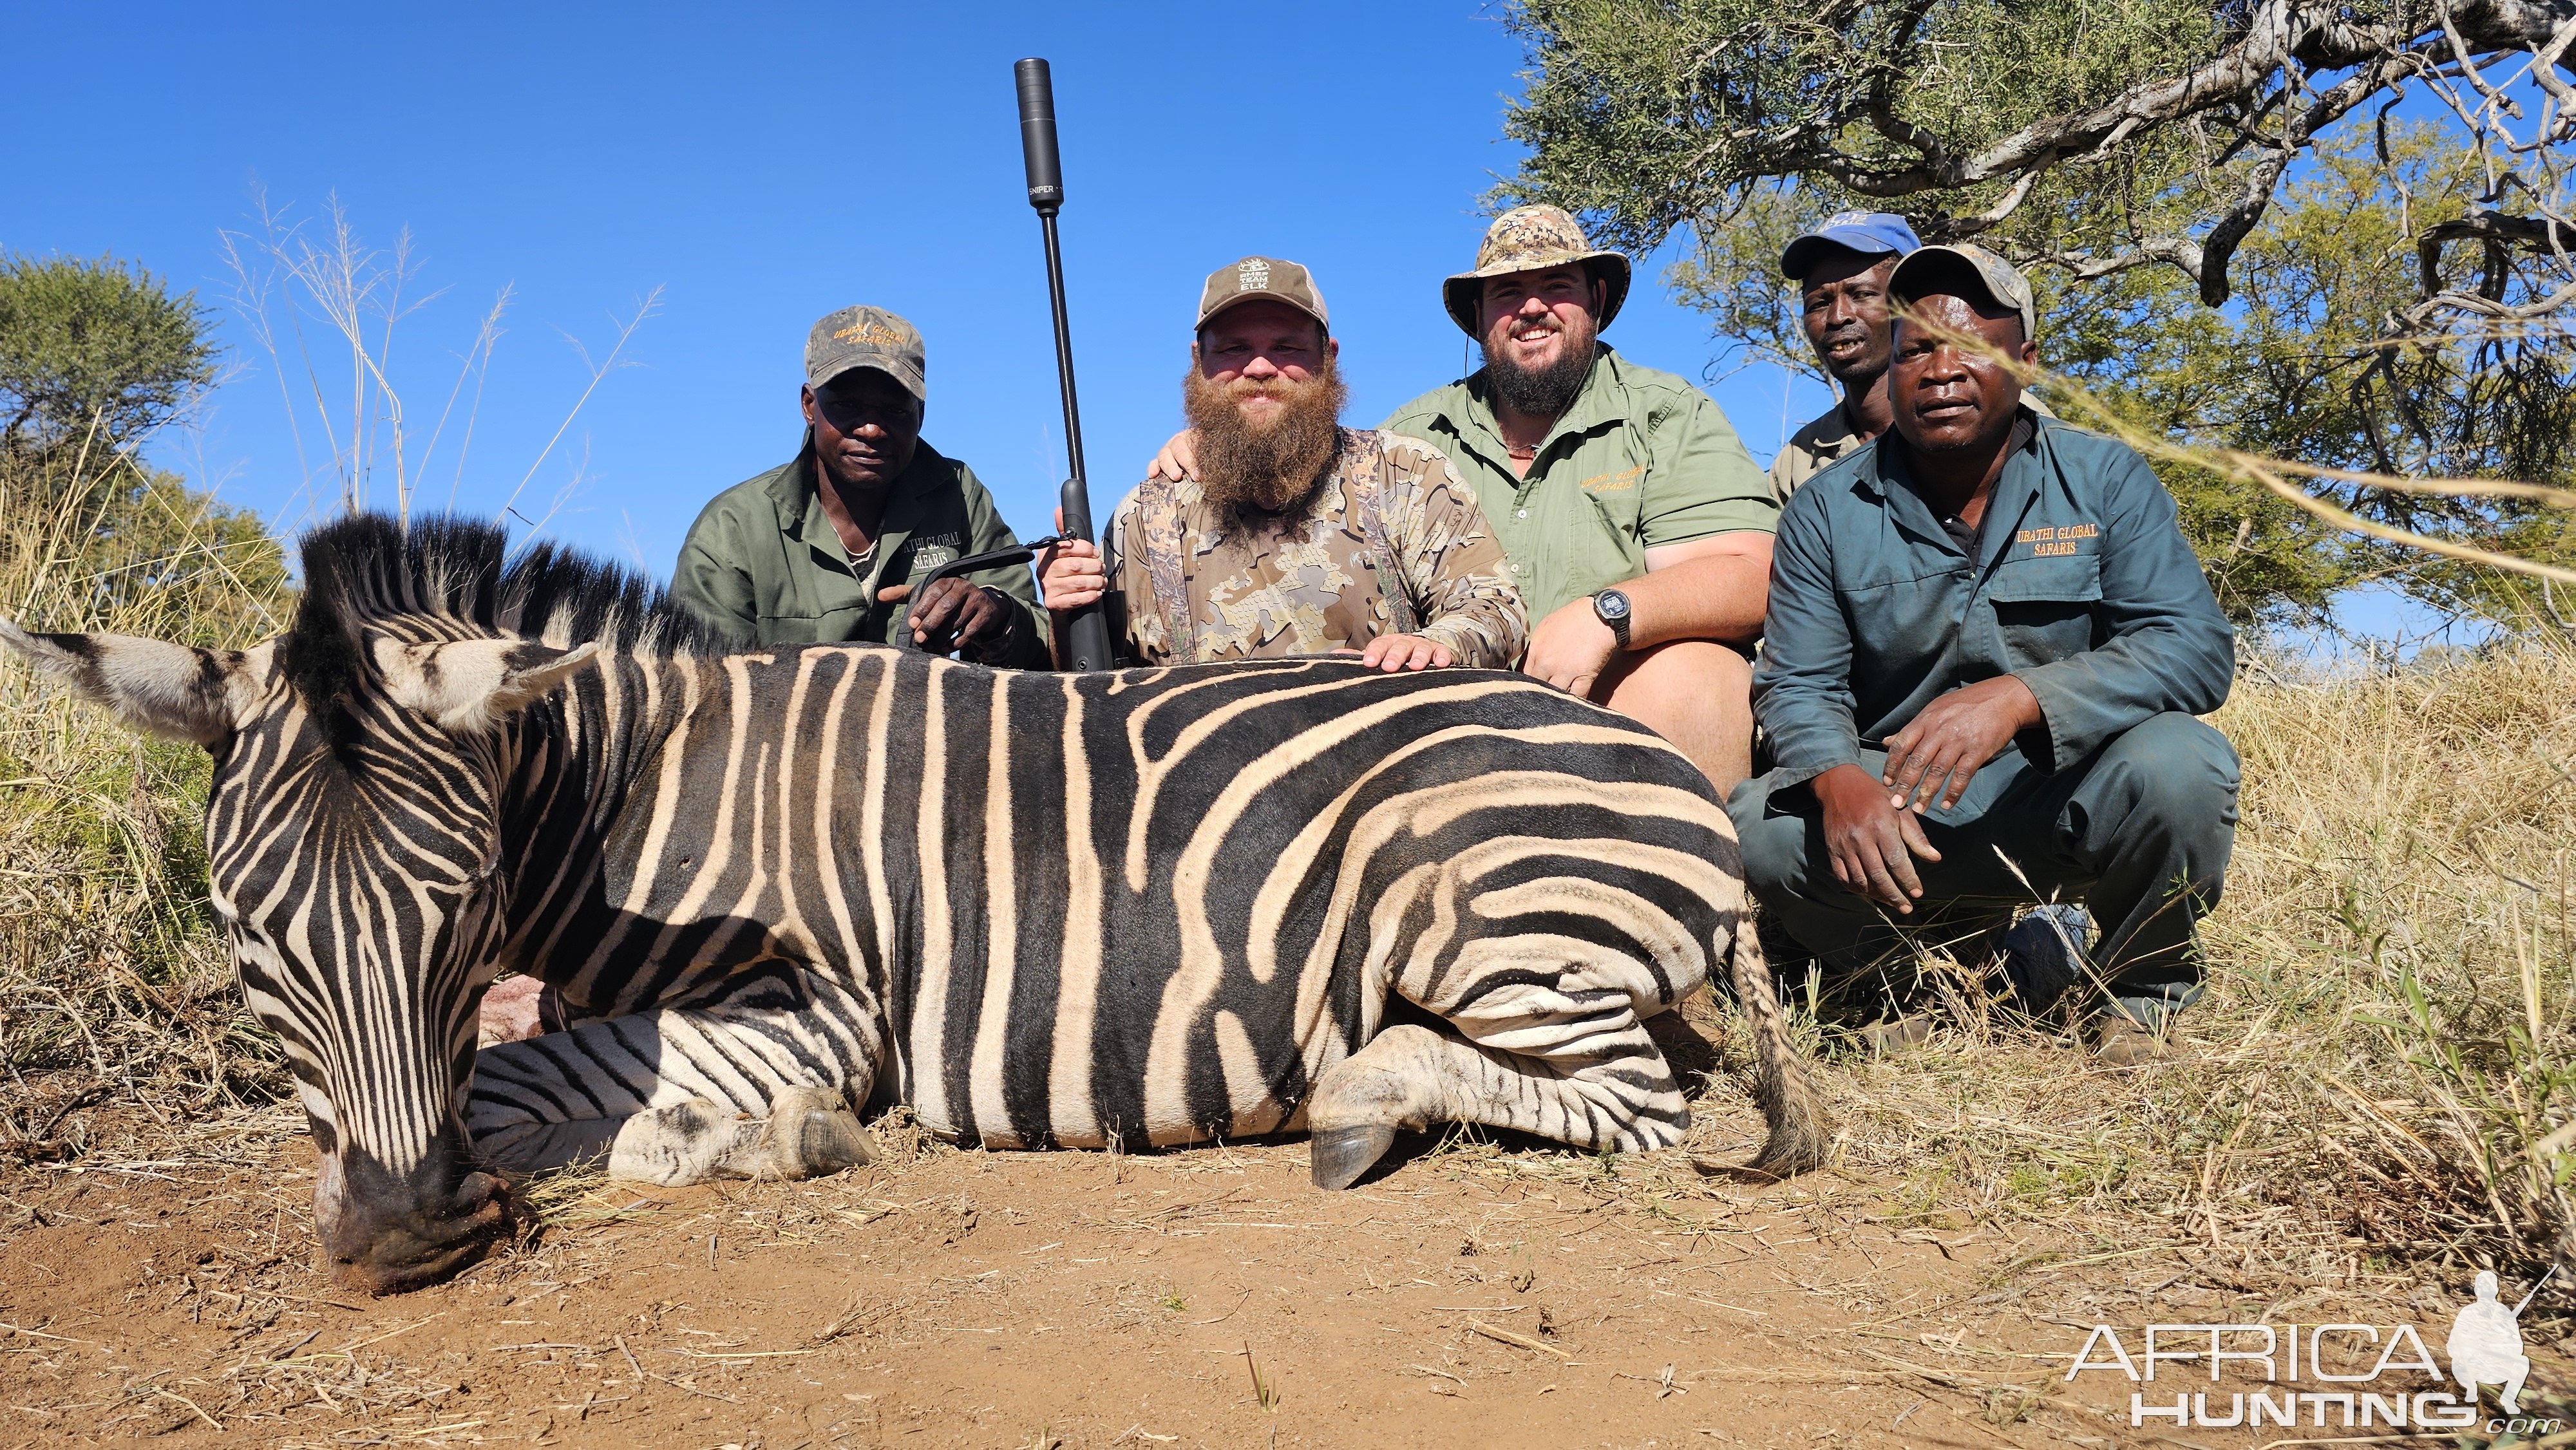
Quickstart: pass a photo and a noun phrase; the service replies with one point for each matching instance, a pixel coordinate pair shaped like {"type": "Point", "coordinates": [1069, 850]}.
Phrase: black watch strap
{"type": "Point", "coordinates": [1614, 615]}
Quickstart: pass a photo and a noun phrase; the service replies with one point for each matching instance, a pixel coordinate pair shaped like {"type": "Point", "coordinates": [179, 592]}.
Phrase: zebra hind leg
{"type": "Point", "coordinates": [1549, 1059]}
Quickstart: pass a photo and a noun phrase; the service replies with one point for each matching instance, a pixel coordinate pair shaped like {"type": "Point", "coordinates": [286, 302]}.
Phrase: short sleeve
{"type": "Point", "coordinates": [1699, 480]}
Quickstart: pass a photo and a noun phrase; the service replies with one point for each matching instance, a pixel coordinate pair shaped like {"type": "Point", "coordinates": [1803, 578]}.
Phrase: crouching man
{"type": "Point", "coordinates": [1298, 536]}
{"type": "Point", "coordinates": [1988, 639]}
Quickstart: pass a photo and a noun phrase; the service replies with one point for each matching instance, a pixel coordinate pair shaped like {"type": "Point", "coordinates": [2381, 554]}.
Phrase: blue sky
{"type": "Point", "coordinates": [760, 166]}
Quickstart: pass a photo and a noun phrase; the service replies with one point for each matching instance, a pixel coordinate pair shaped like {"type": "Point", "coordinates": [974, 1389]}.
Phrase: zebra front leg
{"type": "Point", "coordinates": [748, 1087]}
{"type": "Point", "coordinates": [1564, 1056]}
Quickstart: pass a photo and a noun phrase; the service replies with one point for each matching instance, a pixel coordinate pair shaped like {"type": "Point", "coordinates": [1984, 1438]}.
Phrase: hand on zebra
{"type": "Point", "coordinates": [954, 615]}
{"type": "Point", "coordinates": [1872, 843]}
{"type": "Point", "coordinates": [1570, 648]}
{"type": "Point", "coordinates": [1394, 652]}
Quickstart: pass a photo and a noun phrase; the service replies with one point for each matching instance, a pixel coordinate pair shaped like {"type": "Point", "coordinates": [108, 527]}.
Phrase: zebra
{"type": "Point", "coordinates": [777, 889]}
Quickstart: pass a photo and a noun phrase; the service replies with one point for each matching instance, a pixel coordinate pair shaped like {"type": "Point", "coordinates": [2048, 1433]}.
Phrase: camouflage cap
{"type": "Point", "coordinates": [1262, 279]}
{"type": "Point", "coordinates": [866, 337]}
{"type": "Point", "coordinates": [1532, 239]}
{"type": "Point", "coordinates": [2004, 284]}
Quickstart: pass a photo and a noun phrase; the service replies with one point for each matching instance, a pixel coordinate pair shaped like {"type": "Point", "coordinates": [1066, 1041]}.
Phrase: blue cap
{"type": "Point", "coordinates": [1865, 232]}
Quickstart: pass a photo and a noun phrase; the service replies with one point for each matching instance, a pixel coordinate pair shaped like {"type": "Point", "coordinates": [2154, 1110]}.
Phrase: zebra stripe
{"type": "Point", "coordinates": [1149, 907]}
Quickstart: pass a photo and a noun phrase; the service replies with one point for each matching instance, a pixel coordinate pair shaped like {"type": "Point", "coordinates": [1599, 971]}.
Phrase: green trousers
{"type": "Point", "coordinates": [2140, 834]}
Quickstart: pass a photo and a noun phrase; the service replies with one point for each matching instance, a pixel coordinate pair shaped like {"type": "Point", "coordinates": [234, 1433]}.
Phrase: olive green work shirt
{"type": "Point", "coordinates": [1640, 460]}
{"type": "Point", "coordinates": [764, 560]}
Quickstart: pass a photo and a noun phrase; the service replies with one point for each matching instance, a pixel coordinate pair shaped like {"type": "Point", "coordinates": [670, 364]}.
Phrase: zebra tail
{"type": "Point", "coordinates": [1792, 1107]}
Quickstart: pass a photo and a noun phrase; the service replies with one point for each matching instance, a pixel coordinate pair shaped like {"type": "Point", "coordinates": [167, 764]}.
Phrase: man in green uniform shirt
{"type": "Point", "coordinates": [830, 546]}
{"type": "Point", "coordinates": [1637, 527]}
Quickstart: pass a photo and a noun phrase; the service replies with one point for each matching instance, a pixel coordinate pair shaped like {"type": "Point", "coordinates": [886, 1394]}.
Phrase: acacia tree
{"type": "Point", "coordinates": [2338, 230]}
{"type": "Point", "coordinates": [98, 347]}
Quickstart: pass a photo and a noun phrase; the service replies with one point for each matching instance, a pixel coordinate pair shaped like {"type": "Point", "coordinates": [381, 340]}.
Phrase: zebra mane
{"type": "Point", "coordinates": [369, 567]}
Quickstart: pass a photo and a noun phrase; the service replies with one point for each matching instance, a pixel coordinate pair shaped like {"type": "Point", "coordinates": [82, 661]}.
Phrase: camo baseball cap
{"type": "Point", "coordinates": [2004, 284]}
{"type": "Point", "coordinates": [1532, 239]}
{"type": "Point", "coordinates": [866, 337]}
{"type": "Point", "coordinates": [1262, 279]}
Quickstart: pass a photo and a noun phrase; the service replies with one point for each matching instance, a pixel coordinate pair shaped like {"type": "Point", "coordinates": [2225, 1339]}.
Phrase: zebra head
{"type": "Point", "coordinates": [356, 854]}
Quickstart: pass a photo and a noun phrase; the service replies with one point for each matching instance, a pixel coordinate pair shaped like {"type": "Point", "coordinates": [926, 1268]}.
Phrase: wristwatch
{"type": "Point", "coordinates": [1611, 608]}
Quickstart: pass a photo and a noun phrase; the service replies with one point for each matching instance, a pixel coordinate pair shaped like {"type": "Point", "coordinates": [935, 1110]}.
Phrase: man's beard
{"type": "Point", "coordinates": [1272, 467]}
{"type": "Point", "coordinates": [1549, 391]}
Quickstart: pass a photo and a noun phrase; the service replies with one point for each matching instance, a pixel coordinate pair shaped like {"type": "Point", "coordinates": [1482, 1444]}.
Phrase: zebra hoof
{"type": "Point", "coordinates": [1342, 1154]}
{"type": "Point", "coordinates": [813, 1133]}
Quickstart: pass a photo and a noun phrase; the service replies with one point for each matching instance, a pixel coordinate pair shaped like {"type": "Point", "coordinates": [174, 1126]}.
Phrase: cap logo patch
{"type": "Point", "coordinates": [1252, 276]}
{"type": "Point", "coordinates": [869, 334]}
{"type": "Point", "coordinates": [1847, 219]}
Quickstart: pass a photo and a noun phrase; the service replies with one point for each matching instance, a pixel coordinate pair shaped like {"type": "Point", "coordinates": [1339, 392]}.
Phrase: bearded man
{"type": "Point", "coordinates": [1298, 536]}
{"type": "Point", "coordinates": [1634, 522]}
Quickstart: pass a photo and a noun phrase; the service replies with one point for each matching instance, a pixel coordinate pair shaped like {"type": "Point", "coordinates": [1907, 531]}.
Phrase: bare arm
{"type": "Point", "coordinates": [1712, 588]}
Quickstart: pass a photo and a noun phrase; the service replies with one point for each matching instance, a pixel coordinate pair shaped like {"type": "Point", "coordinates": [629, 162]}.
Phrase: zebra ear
{"type": "Point", "coordinates": [470, 686]}
{"type": "Point", "coordinates": [175, 691]}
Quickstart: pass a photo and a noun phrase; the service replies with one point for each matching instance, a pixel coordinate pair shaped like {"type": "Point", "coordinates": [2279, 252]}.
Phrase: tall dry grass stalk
{"type": "Point", "coordinates": [114, 985]}
{"type": "Point", "coordinates": [324, 306]}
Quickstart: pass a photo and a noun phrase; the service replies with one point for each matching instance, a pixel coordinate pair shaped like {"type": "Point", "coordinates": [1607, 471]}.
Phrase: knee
{"type": "Point", "coordinates": [1696, 672]}
{"type": "Point", "coordinates": [2180, 769]}
{"type": "Point", "coordinates": [1774, 845]}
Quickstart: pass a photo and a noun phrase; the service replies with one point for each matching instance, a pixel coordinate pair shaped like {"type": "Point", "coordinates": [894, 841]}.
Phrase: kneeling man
{"type": "Point", "coordinates": [1988, 639]}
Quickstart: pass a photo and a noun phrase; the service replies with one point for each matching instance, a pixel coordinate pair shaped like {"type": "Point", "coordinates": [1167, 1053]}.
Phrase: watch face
{"type": "Point", "coordinates": [1611, 604]}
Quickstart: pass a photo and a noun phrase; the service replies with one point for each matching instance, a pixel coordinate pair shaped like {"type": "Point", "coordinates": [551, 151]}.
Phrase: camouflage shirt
{"type": "Point", "coordinates": [1308, 582]}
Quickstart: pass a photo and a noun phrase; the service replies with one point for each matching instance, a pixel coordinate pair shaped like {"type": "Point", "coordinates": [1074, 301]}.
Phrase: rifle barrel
{"type": "Point", "coordinates": [1089, 629]}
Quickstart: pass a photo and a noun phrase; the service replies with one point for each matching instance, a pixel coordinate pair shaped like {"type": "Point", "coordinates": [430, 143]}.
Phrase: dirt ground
{"type": "Point", "coordinates": [1466, 1296]}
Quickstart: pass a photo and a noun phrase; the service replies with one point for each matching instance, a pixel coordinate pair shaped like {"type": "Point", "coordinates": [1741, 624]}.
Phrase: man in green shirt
{"type": "Point", "coordinates": [1637, 527]}
{"type": "Point", "coordinates": [830, 546]}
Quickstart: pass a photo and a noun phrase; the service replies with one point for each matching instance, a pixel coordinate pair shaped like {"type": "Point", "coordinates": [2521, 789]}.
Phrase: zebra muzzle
{"type": "Point", "coordinates": [387, 1233]}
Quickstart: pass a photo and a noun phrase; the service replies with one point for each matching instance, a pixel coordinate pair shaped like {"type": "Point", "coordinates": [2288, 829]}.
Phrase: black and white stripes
{"type": "Point", "coordinates": [1044, 910]}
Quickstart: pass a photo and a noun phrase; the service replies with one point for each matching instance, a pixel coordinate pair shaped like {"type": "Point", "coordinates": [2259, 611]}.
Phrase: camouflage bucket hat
{"type": "Point", "coordinates": [1531, 239]}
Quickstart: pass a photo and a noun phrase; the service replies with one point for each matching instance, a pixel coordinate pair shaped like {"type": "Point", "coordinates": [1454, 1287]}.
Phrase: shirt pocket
{"type": "Point", "coordinates": [2046, 609]}
{"type": "Point", "coordinates": [1902, 624]}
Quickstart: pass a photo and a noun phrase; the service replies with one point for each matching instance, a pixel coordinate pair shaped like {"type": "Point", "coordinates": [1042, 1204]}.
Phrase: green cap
{"type": "Point", "coordinates": [1533, 239]}
{"type": "Point", "coordinates": [1262, 279]}
{"type": "Point", "coordinates": [2005, 285]}
{"type": "Point", "coordinates": [866, 337]}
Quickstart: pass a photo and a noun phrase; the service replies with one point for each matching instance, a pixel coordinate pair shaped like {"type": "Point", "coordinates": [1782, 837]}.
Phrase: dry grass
{"type": "Point", "coordinates": [2380, 1085]}
{"type": "Point", "coordinates": [114, 988]}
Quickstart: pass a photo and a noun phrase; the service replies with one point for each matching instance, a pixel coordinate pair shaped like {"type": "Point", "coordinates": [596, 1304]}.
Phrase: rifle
{"type": "Point", "coordinates": [1089, 628]}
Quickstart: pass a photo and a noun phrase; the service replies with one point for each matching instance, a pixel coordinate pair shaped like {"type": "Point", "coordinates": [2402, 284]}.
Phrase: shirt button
{"type": "Point", "coordinates": [1524, 513]}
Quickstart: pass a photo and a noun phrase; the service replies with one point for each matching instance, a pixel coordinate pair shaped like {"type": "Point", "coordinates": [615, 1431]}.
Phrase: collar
{"type": "Point", "coordinates": [1600, 400]}
{"type": "Point", "coordinates": [1887, 461]}
{"type": "Point", "coordinates": [800, 503]}
{"type": "Point", "coordinates": [2016, 490]}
